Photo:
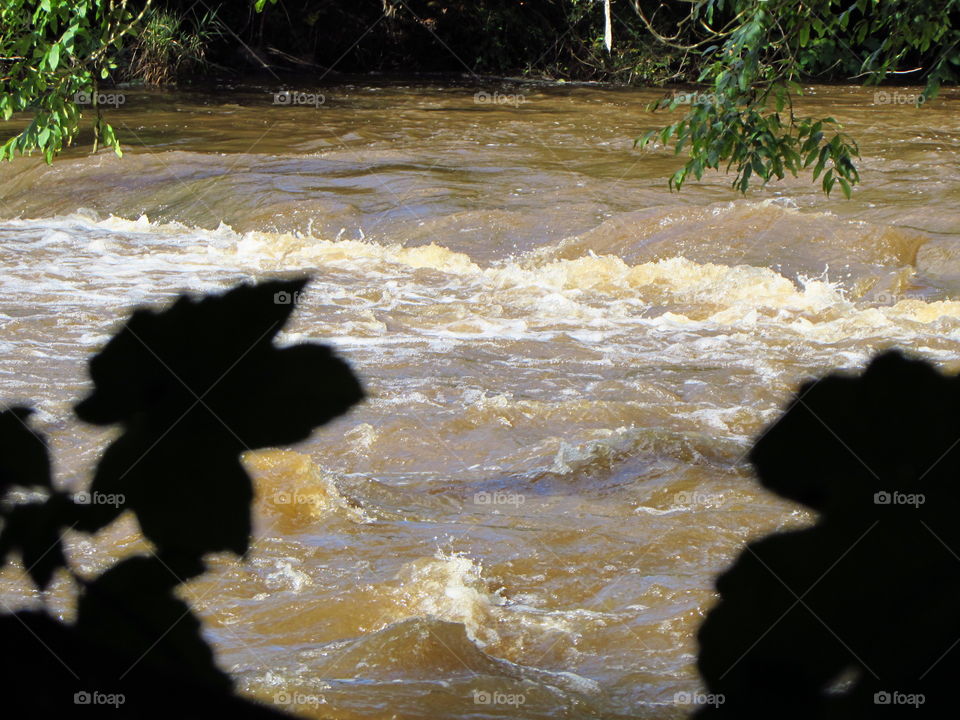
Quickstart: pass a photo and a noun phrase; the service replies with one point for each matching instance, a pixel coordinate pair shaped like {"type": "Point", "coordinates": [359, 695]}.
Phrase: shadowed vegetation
{"type": "Point", "coordinates": [192, 387]}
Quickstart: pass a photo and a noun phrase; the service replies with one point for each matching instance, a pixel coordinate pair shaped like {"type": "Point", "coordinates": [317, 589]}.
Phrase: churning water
{"type": "Point", "coordinates": [565, 365]}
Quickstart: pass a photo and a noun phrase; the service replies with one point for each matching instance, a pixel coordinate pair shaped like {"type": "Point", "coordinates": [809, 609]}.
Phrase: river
{"type": "Point", "coordinates": [565, 364]}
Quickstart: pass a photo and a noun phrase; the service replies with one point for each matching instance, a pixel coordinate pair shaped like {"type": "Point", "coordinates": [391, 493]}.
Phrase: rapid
{"type": "Point", "coordinates": [565, 366]}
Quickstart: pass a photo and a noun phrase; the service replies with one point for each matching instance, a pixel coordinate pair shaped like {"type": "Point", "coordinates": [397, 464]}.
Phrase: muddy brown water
{"type": "Point", "coordinates": [565, 365]}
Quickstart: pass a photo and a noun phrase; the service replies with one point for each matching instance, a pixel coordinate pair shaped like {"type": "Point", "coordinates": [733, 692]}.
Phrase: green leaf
{"type": "Point", "coordinates": [642, 142]}
{"type": "Point", "coordinates": [53, 56]}
{"type": "Point", "coordinates": [828, 181]}
{"type": "Point", "coordinates": [677, 180]}
{"type": "Point", "coordinates": [845, 186]}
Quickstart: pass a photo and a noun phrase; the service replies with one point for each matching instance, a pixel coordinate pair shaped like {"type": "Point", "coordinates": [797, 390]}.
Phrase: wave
{"type": "Point", "coordinates": [421, 668]}
{"type": "Point", "coordinates": [291, 489]}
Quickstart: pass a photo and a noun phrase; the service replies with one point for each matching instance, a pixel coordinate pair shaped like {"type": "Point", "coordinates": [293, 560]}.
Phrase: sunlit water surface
{"type": "Point", "coordinates": [565, 365]}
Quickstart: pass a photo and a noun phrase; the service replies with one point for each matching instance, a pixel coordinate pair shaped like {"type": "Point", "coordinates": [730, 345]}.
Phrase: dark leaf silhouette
{"type": "Point", "coordinates": [52, 670]}
{"type": "Point", "coordinates": [193, 386]}
{"type": "Point", "coordinates": [853, 617]}
{"type": "Point", "coordinates": [33, 530]}
{"type": "Point", "coordinates": [157, 635]}
{"type": "Point", "coordinates": [23, 452]}
{"type": "Point", "coordinates": [845, 438]}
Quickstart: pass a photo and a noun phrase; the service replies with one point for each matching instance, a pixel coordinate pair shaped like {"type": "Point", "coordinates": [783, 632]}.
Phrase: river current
{"type": "Point", "coordinates": [565, 366]}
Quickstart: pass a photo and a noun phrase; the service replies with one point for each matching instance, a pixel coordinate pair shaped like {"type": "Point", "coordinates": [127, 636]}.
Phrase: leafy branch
{"type": "Point", "coordinates": [53, 53]}
{"type": "Point", "coordinates": [754, 64]}
{"type": "Point", "coordinates": [53, 56]}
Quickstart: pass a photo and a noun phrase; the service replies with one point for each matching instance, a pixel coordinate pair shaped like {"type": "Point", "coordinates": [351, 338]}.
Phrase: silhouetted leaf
{"type": "Point", "coordinates": [35, 529]}
{"type": "Point", "coordinates": [23, 452]}
{"type": "Point", "coordinates": [844, 438]}
{"type": "Point", "coordinates": [868, 592]}
{"type": "Point", "coordinates": [194, 386]}
{"type": "Point", "coordinates": [131, 610]}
